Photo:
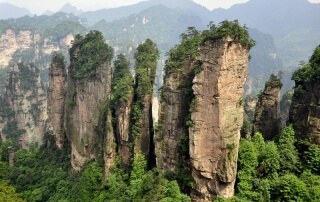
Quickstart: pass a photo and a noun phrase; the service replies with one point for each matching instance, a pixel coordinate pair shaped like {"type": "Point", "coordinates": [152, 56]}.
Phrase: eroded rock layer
{"type": "Point", "coordinates": [174, 109]}
{"type": "Point", "coordinates": [217, 118]}
{"type": "Point", "coordinates": [305, 111]}
{"type": "Point", "coordinates": [56, 98]}
{"type": "Point", "coordinates": [267, 113]}
{"type": "Point", "coordinates": [86, 99]}
{"type": "Point", "coordinates": [202, 102]}
{"type": "Point", "coordinates": [27, 99]}
{"type": "Point", "coordinates": [24, 40]}
{"type": "Point", "coordinates": [122, 130]}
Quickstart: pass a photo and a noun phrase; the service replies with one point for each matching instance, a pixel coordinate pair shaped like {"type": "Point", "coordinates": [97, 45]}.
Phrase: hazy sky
{"type": "Point", "coordinates": [40, 6]}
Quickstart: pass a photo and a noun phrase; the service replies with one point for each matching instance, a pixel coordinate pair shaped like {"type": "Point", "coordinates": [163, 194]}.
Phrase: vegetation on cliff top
{"type": "Point", "coordinates": [192, 39]}
{"type": "Point", "coordinates": [311, 71]}
{"type": "Point", "coordinates": [89, 52]}
{"type": "Point", "coordinates": [146, 64]}
{"type": "Point", "coordinates": [122, 81]}
{"type": "Point", "coordinates": [273, 82]}
{"type": "Point", "coordinates": [58, 59]}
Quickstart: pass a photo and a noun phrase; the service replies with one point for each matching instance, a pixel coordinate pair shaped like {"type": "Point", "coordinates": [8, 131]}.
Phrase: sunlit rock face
{"type": "Point", "coordinates": [216, 117]}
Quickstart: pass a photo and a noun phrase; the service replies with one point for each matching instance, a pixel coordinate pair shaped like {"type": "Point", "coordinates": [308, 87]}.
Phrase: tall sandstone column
{"type": "Point", "coordinates": [267, 113]}
{"type": "Point", "coordinates": [56, 98]}
{"type": "Point", "coordinates": [217, 118]}
{"type": "Point", "coordinates": [87, 119]}
{"type": "Point", "coordinates": [215, 78]}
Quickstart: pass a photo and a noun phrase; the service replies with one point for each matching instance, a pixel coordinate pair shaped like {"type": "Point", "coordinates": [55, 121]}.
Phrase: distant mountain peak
{"type": "Point", "coordinates": [68, 8]}
{"type": "Point", "coordinates": [11, 11]}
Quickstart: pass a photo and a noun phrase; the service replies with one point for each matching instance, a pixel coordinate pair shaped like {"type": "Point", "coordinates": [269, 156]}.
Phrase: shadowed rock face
{"type": "Point", "coordinates": [267, 113]}
{"type": "Point", "coordinates": [56, 100]}
{"type": "Point", "coordinates": [26, 97]}
{"type": "Point", "coordinates": [86, 100]}
{"type": "Point", "coordinates": [216, 116]}
{"type": "Point", "coordinates": [122, 130]}
{"type": "Point", "coordinates": [174, 109]}
{"type": "Point", "coordinates": [305, 112]}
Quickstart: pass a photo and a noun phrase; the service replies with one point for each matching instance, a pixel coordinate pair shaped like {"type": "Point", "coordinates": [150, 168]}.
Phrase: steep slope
{"type": "Point", "coordinates": [304, 110]}
{"type": "Point", "coordinates": [56, 96]}
{"type": "Point", "coordinates": [33, 40]}
{"type": "Point", "coordinates": [26, 97]}
{"type": "Point", "coordinates": [204, 78]}
{"type": "Point", "coordinates": [164, 26]}
{"type": "Point", "coordinates": [121, 104]}
{"type": "Point", "coordinates": [142, 124]}
{"type": "Point", "coordinates": [214, 137]}
{"type": "Point", "coordinates": [87, 115]}
{"type": "Point", "coordinates": [267, 113]}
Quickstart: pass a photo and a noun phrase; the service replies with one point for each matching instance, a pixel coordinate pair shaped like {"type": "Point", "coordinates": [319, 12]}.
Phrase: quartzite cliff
{"type": "Point", "coordinates": [305, 108]}
{"type": "Point", "coordinates": [201, 115]}
{"type": "Point", "coordinates": [267, 113]}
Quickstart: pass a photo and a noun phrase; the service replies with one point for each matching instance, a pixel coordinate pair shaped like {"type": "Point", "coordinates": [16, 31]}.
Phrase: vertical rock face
{"type": "Point", "coordinates": [174, 109]}
{"type": "Point", "coordinates": [217, 118]}
{"type": "Point", "coordinates": [56, 98]}
{"type": "Point", "coordinates": [267, 113]}
{"type": "Point", "coordinates": [10, 42]}
{"type": "Point", "coordinates": [142, 129]}
{"type": "Point", "coordinates": [285, 104]}
{"type": "Point", "coordinates": [305, 111]}
{"type": "Point", "coordinates": [86, 100]}
{"type": "Point", "coordinates": [87, 119]}
{"type": "Point", "coordinates": [122, 115]}
{"type": "Point", "coordinates": [27, 99]}
{"type": "Point", "coordinates": [202, 101]}
{"type": "Point", "coordinates": [11, 156]}
{"type": "Point", "coordinates": [305, 108]}
{"type": "Point", "coordinates": [121, 103]}
{"type": "Point", "coordinates": [143, 140]}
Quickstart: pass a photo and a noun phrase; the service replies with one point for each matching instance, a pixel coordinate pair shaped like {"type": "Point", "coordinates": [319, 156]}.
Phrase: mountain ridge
{"type": "Point", "coordinates": [8, 10]}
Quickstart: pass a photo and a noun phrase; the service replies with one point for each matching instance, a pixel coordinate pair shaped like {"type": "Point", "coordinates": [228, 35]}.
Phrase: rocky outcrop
{"type": "Point", "coordinates": [11, 156]}
{"type": "Point", "coordinates": [56, 95]}
{"type": "Point", "coordinates": [305, 111]}
{"type": "Point", "coordinates": [285, 104]}
{"type": "Point", "coordinates": [86, 99]}
{"type": "Point", "coordinates": [217, 118]}
{"type": "Point", "coordinates": [122, 115]}
{"type": "Point", "coordinates": [267, 113]}
{"type": "Point", "coordinates": [305, 107]}
{"type": "Point", "coordinates": [142, 129]}
{"type": "Point", "coordinates": [87, 119]}
{"type": "Point", "coordinates": [174, 108]}
{"type": "Point", "coordinates": [27, 99]}
{"type": "Point", "coordinates": [11, 41]}
{"type": "Point", "coordinates": [121, 104]}
{"type": "Point", "coordinates": [202, 102]}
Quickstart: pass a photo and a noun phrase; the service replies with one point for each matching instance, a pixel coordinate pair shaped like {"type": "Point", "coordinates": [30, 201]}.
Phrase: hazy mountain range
{"type": "Point", "coordinates": [286, 31]}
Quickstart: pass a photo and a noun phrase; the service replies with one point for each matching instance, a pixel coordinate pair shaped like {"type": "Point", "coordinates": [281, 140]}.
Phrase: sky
{"type": "Point", "coordinates": [40, 6]}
